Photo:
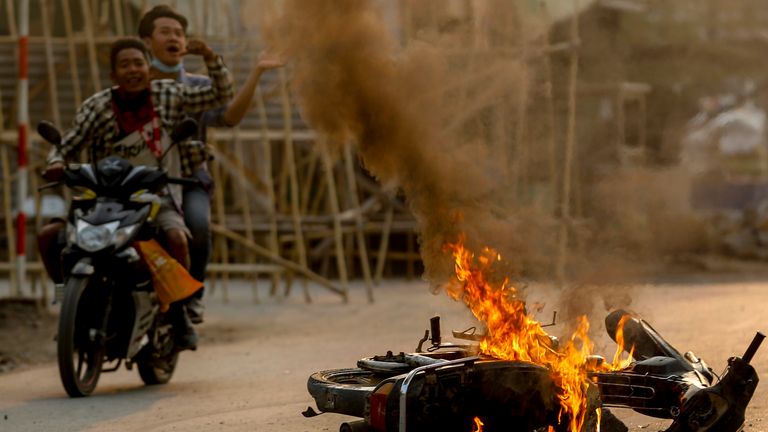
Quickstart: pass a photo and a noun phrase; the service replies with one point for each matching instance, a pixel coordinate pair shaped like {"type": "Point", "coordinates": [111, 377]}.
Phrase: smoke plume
{"type": "Point", "coordinates": [407, 110]}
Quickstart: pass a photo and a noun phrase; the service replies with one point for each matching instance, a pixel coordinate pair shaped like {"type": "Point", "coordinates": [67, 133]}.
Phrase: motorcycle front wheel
{"type": "Point", "coordinates": [159, 371]}
{"type": "Point", "coordinates": [80, 359]}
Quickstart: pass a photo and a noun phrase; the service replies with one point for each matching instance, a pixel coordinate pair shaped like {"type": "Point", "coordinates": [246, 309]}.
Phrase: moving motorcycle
{"type": "Point", "coordinates": [447, 386]}
{"type": "Point", "coordinates": [110, 310]}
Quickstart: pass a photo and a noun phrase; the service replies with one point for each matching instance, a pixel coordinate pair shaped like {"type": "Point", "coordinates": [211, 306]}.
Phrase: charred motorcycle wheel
{"type": "Point", "coordinates": [343, 391]}
{"type": "Point", "coordinates": [79, 357]}
{"type": "Point", "coordinates": [158, 371]}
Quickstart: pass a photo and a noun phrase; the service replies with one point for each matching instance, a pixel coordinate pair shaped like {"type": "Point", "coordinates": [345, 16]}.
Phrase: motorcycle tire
{"type": "Point", "coordinates": [158, 372]}
{"type": "Point", "coordinates": [80, 360]}
{"type": "Point", "coordinates": [343, 391]}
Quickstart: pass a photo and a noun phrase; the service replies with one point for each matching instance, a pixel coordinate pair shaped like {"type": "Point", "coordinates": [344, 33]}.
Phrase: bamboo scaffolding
{"type": "Point", "coordinates": [50, 63]}
{"type": "Point", "coordinates": [287, 264]}
{"type": "Point", "coordinates": [11, 19]}
{"type": "Point", "coordinates": [220, 244]}
{"type": "Point", "coordinates": [267, 149]}
{"type": "Point", "coordinates": [333, 203]}
{"type": "Point", "coordinates": [349, 162]}
{"type": "Point", "coordinates": [381, 259]}
{"type": "Point", "coordinates": [570, 145]}
{"type": "Point", "coordinates": [10, 233]}
{"type": "Point", "coordinates": [74, 75]}
{"type": "Point", "coordinates": [245, 211]}
{"type": "Point", "coordinates": [293, 178]}
{"type": "Point", "coordinates": [93, 61]}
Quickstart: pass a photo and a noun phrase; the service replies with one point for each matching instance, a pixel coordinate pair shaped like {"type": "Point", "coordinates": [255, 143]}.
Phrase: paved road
{"type": "Point", "coordinates": [250, 373]}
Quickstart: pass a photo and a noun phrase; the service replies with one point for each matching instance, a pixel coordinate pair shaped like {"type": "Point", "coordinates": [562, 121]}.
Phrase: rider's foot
{"type": "Point", "coordinates": [195, 309]}
{"type": "Point", "coordinates": [186, 336]}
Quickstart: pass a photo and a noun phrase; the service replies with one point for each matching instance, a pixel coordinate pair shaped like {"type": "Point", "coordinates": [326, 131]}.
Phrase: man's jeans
{"type": "Point", "coordinates": [197, 216]}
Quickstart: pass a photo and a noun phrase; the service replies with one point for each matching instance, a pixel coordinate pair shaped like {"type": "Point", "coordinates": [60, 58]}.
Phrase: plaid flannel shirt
{"type": "Point", "coordinates": [95, 124]}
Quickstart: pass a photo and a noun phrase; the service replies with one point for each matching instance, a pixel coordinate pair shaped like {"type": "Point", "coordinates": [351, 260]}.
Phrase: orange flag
{"type": "Point", "coordinates": [171, 280]}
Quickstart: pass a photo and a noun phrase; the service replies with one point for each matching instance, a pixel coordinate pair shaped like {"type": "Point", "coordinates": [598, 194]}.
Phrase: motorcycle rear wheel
{"type": "Point", "coordinates": [343, 391]}
{"type": "Point", "coordinates": [79, 358]}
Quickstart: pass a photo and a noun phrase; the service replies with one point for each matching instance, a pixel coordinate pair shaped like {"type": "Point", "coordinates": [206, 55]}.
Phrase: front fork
{"type": "Point", "coordinates": [97, 331]}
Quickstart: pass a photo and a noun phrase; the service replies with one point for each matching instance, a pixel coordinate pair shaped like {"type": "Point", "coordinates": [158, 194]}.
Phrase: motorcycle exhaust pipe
{"type": "Point", "coordinates": [355, 426]}
{"type": "Point", "coordinates": [752, 349]}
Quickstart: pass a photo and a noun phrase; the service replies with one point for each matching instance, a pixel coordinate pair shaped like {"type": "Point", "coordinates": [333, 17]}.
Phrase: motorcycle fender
{"type": "Point", "coordinates": [83, 268]}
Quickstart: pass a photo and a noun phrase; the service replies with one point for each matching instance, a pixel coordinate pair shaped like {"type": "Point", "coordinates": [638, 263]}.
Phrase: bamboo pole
{"type": "Point", "coordinates": [196, 18]}
{"type": "Point", "coordinates": [222, 221]}
{"type": "Point", "coordinates": [267, 148]}
{"type": "Point", "coordinates": [355, 202]}
{"type": "Point", "coordinates": [8, 214]}
{"type": "Point", "coordinates": [570, 144]}
{"type": "Point", "coordinates": [50, 63]}
{"type": "Point", "coordinates": [550, 121]}
{"type": "Point", "coordinates": [34, 182]}
{"type": "Point", "coordinates": [410, 271]}
{"type": "Point", "coordinates": [92, 58]}
{"type": "Point", "coordinates": [384, 244]}
{"type": "Point", "coordinates": [127, 16]}
{"type": "Point", "coordinates": [75, 76]}
{"type": "Point", "coordinates": [11, 14]}
{"type": "Point", "coordinates": [293, 178]}
{"type": "Point", "coordinates": [306, 190]}
{"type": "Point", "coordinates": [118, 11]}
{"type": "Point", "coordinates": [333, 202]}
{"type": "Point", "coordinates": [245, 211]}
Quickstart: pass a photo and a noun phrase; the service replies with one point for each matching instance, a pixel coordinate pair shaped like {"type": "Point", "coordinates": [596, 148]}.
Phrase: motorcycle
{"type": "Point", "coordinates": [110, 310]}
{"type": "Point", "coordinates": [448, 386]}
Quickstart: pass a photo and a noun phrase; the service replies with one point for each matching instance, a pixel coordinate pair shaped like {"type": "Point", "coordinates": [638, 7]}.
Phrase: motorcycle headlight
{"type": "Point", "coordinates": [93, 238]}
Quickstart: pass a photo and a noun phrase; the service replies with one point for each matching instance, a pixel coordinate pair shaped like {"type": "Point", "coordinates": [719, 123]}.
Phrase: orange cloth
{"type": "Point", "coordinates": [171, 280]}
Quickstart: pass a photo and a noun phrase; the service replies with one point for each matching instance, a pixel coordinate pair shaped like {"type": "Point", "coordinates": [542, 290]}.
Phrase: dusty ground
{"type": "Point", "coordinates": [251, 370]}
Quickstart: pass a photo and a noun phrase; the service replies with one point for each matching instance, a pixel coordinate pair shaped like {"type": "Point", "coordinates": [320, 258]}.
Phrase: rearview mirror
{"type": "Point", "coordinates": [49, 132]}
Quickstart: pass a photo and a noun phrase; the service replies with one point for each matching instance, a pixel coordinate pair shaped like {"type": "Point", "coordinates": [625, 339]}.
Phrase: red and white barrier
{"type": "Point", "coordinates": [23, 129]}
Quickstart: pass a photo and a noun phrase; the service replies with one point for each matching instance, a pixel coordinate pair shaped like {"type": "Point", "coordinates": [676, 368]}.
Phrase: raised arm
{"type": "Point", "coordinates": [240, 105]}
{"type": "Point", "coordinates": [204, 98]}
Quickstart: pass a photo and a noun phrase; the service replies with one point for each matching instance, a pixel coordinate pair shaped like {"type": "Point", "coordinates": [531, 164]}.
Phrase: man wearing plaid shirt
{"type": "Point", "coordinates": [164, 30]}
{"type": "Point", "coordinates": [133, 120]}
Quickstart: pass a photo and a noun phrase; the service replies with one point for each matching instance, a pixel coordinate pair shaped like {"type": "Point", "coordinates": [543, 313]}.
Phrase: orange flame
{"type": "Point", "coordinates": [618, 363]}
{"type": "Point", "coordinates": [513, 334]}
{"type": "Point", "coordinates": [478, 425]}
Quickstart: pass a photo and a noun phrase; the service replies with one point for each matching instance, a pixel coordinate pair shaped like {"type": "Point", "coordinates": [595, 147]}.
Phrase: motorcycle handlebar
{"type": "Point", "coordinates": [183, 181]}
{"type": "Point", "coordinates": [752, 349]}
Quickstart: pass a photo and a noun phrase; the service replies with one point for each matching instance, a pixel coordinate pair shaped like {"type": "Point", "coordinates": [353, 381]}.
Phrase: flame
{"type": "Point", "coordinates": [618, 363]}
{"type": "Point", "coordinates": [513, 334]}
{"type": "Point", "coordinates": [478, 425]}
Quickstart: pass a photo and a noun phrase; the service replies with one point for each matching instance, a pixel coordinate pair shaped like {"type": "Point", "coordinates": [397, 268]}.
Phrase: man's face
{"type": "Point", "coordinates": [167, 41]}
{"type": "Point", "coordinates": [131, 70]}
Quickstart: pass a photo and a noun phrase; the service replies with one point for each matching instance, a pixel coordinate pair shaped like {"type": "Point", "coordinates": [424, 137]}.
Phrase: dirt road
{"type": "Point", "coordinates": [251, 370]}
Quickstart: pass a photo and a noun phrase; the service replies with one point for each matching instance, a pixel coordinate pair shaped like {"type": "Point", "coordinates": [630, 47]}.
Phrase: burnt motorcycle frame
{"type": "Point", "coordinates": [408, 392]}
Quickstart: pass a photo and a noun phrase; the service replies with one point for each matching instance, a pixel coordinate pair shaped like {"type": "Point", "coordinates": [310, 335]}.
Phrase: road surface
{"type": "Point", "coordinates": [251, 370]}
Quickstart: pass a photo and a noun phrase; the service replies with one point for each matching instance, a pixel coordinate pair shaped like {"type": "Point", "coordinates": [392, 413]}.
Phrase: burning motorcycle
{"type": "Point", "coordinates": [451, 387]}
{"type": "Point", "coordinates": [110, 310]}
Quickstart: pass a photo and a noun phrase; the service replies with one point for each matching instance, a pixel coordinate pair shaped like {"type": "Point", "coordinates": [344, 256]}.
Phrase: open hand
{"type": "Point", "coordinates": [267, 61]}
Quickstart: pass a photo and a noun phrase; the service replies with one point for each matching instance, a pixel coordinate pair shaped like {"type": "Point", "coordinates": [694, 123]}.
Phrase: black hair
{"type": "Point", "coordinates": [126, 43]}
{"type": "Point", "coordinates": [147, 23]}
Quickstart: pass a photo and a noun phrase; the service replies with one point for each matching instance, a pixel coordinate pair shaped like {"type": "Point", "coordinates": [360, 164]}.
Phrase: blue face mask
{"type": "Point", "coordinates": [162, 67]}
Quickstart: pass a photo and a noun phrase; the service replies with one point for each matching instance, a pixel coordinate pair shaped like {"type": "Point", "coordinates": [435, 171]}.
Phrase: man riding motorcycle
{"type": "Point", "coordinates": [133, 120]}
{"type": "Point", "coordinates": [163, 29]}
